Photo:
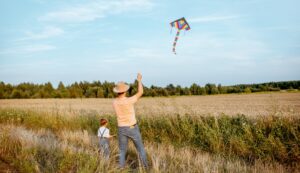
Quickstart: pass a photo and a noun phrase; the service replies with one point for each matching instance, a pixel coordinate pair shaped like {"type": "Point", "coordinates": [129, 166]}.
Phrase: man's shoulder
{"type": "Point", "coordinates": [133, 98]}
{"type": "Point", "coordinates": [124, 100]}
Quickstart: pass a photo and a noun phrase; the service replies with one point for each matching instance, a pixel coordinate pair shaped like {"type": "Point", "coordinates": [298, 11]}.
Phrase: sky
{"type": "Point", "coordinates": [230, 41]}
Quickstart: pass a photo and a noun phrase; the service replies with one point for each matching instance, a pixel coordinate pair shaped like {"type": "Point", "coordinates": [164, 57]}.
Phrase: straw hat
{"type": "Point", "coordinates": [121, 87]}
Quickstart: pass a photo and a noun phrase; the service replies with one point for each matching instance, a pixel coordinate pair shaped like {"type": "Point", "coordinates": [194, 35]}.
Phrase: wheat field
{"type": "Point", "coordinates": [219, 133]}
{"type": "Point", "coordinates": [260, 104]}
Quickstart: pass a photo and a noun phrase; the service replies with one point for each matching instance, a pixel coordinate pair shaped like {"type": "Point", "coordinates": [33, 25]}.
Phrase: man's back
{"type": "Point", "coordinates": [124, 108]}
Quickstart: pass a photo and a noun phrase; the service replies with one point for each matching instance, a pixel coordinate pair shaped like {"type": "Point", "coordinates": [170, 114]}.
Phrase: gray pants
{"type": "Point", "coordinates": [104, 147]}
{"type": "Point", "coordinates": [134, 134]}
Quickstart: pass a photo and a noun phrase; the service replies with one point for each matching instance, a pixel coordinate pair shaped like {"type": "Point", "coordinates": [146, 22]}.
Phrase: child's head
{"type": "Point", "coordinates": [103, 122]}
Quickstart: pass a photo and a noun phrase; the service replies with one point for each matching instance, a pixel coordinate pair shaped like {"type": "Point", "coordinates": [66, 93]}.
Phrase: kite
{"type": "Point", "coordinates": [179, 24]}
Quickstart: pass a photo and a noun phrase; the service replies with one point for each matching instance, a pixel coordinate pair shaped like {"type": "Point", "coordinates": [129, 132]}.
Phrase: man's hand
{"type": "Point", "coordinates": [139, 77]}
{"type": "Point", "coordinates": [140, 86]}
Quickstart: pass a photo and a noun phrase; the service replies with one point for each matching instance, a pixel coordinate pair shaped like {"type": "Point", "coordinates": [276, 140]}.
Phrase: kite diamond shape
{"type": "Point", "coordinates": [179, 24]}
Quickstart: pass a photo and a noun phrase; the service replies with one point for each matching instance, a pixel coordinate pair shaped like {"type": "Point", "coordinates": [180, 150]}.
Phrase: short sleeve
{"type": "Point", "coordinates": [133, 99]}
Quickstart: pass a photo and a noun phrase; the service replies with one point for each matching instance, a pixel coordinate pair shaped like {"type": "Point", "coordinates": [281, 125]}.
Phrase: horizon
{"type": "Point", "coordinates": [230, 43]}
{"type": "Point", "coordinates": [55, 85]}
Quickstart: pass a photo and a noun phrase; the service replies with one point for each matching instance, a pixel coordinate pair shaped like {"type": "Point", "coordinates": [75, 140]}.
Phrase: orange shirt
{"type": "Point", "coordinates": [124, 108]}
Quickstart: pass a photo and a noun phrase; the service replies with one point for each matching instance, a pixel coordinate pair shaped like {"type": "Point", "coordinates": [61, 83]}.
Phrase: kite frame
{"type": "Point", "coordinates": [179, 20]}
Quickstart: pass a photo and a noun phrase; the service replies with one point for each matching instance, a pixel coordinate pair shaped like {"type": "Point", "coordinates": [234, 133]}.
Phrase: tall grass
{"type": "Point", "coordinates": [267, 139]}
{"type": "Point", "coordinates": [41, 150]}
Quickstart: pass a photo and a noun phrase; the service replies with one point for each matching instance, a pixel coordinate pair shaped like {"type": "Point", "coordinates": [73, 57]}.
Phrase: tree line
{"type": "Point", "coordinates": [99, 89]}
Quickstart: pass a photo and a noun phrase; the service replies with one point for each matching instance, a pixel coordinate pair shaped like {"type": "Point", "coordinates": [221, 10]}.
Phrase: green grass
{"type": "Point", "coordinates": [268, 138]}
{"type": "Point", "coordinates": [47, 160]}
{"type": "Point", "coordinates": [272, 139]}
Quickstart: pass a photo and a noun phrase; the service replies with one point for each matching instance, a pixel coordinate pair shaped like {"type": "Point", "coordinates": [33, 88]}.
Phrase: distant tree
{"type": "Point", "coordinates": [133, 88]}
{"type": "Point", "coordinates": [2, 94]}
{"type": "Point", "coordinates": [8, 89]}
{"type": "Point", "coordinates": [170, 89]}
{"type": "Point", "coordinates": [110, 95]}
{"type": "Point", "coordinates": [187, 91]}
{"type": "Point", "coordinates": [211, 89]}
{"type": "Point", "coordinates": [194, 89]}
{"type": "Point", "coordinates": [164, 92]}
{"type": "Point", "coordinates": [2, 90]}
{"type": "Point", "coordinates": [16, 94]}
{"type": "Point", "coordinates": [178, 90]}
{"type": "Point", "coordinates": [62, 91]}
{"type": "Point", "coordinates": [108, 89]}
{"type": "Point", "coordinates": [96, 84]}
{"type": "Point", "coordinates": [91, 92]}
{"type": "Point", "coordinates": [147, 91]}
{"type": "Point", "coordinates": [263, 88]}
{"type": "Point", "coordinates": [75, 91]}
{"type": "Point", "coordinates": [47, 90]}
{"type": "Point", "coordinates": [61, 86]}
{"type": "Point", "coordinates": [105, 89]}
{"type": "Point", "coordinates": [153, 93]}
{"type": "Point", "coordinates": [222, 89]}
{"type": "Point", "coordinates": [202, 91]}
{"type": "Point", "coordinates": [214, 90]}
{"type": "Point", "coordinates": [84, 86]}
{"type": "Point", "coordinates": [247, 90]}
{"type": "Point", "coordinates": [100, 93]}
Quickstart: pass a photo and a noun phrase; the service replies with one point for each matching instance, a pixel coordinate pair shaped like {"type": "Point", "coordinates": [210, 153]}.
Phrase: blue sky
{"type": "Point", "coordinates": [230, 41]}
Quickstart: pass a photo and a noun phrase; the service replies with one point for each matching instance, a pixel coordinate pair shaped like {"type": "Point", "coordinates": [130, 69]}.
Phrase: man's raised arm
{"type": "Point", "coordinates": [140, 86]}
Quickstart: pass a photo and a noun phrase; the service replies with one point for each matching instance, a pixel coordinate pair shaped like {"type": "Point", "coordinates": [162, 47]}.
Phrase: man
{"type": "Point", "coordinates": [127, 124]}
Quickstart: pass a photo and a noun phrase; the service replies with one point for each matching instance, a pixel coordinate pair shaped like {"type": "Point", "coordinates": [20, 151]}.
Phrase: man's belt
{"type": "Point", "coordinates": [132, 126]}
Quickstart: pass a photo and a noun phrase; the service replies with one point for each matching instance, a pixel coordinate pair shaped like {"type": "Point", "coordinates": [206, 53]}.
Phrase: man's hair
{"type": "Point", "coordinates": [103, 121]}
{"type": "Point", "coordinates": [121, 93]}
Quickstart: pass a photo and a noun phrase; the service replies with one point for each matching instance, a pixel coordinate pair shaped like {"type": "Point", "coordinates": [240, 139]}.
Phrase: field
{"type": "Point", "coordinates": [221, 133]}
{"type": "Point", "coordinates": [285, 104]}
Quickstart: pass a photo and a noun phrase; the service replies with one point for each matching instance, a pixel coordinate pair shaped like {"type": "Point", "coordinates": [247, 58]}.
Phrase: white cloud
{"type": "Point", "coordinates": [231, 51]}
{"type": "Point", "coordinates": [136, 54]}
{"type": "Point", "coordinates": [282, 28]}
{"type": "Point", "coordinates": [143, 53]}
{"type": "Point", "coordinates": [115, 60]}
{"type": "Point", "coordinates": [48, 32]}
{"type": "Point", "coordinates": [37, 48]}
{"type": "Point", "coordinates": [212, 18]}
{"type": "Point", "coordinates": [28, 49]}
{"type": "Point", "coordinates": [95, 10]}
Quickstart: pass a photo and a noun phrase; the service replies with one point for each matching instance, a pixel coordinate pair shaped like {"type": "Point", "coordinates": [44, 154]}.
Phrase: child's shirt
{"type": "Point", "coordinates": [103, 132]}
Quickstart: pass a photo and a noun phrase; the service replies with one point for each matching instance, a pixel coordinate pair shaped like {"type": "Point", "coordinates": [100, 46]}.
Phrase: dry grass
{"type": "Point", "coordinates": [285, 104]}
{"type": "Point", "coordinates": [35, 141]}
{"type": "Point", "coordinates": [163, 158]}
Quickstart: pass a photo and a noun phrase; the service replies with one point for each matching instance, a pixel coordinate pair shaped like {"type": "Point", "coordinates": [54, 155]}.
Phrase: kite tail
{"type": "Point", "coordinates": [175, 41]}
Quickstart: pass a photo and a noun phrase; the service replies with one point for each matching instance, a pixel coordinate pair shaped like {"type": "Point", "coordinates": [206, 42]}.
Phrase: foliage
{"type": "Point", "coordinates": [97, 89]}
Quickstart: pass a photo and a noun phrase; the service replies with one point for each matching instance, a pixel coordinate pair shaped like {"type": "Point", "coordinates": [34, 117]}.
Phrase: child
{"type": "Point", "coordinates": [103, 134]}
